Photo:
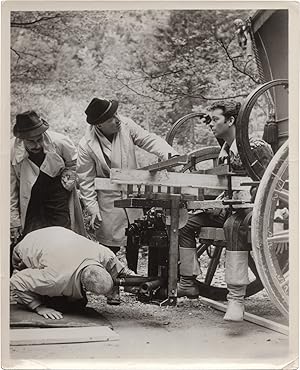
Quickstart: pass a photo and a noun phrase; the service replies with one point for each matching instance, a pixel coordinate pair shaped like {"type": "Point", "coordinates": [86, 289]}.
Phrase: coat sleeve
{"type": "Point", "coordinates": [110, 262]}
{"type": "Point", "coordinates": [15, 220]}
{"type": "Point", "coordinates": [69, 153]}
{"type": "Point", "coordinates": [29, 285]}
{"type": "Point", "coordinates": [86, 174]}
{"type": "Point", "coordinates": [150, 142]}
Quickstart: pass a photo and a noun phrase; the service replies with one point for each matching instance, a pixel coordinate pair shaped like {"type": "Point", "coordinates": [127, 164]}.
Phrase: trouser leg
{"type": "Point", "coordinates": [236, 273]}
{"type": "Point", "coordinates": [132, 254]}
{"type": "Point", "coordinates": [113, 298]}
{"type": "Point", "coordinates": [189, 265]}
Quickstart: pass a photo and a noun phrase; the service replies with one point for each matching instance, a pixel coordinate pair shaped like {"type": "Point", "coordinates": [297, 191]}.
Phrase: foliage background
{"type": "Point", "coordinates": [159, 64]}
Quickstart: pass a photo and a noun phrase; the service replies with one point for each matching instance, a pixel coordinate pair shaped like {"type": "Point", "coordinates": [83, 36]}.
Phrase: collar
{"type": "Point", "coordinates": [225, 150]}
{"type": "Point", "coordinates": [19, 152]}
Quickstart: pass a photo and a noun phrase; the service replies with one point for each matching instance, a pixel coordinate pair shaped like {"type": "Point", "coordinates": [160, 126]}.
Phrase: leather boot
{"type": "Point", "coordinates": [189, 268]}
{"type": "Point", "coordinates": [187, 287]}
{"type": "Point", "coordinates": [236, 276]}
{"type": "Point", "coordinates": [235, 308]}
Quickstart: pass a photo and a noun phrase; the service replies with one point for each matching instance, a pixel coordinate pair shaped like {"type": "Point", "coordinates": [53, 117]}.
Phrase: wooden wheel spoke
{"type": "Point", "coordinates": [252, 266]}
{"type": "Point", "coordinates": [283, 195]}
{"type": "Point", "coordinates": [213, 264]}
{"type": "Point", "coordinates": [284, 285]}
{"type": "Point", "coordinates": [279, 237]}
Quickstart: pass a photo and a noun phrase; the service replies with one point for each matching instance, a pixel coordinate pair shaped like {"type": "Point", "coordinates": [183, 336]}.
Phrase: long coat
{"type": "Point", "coordinates": [49, 261]}
{"type": "Point", "coordinates": [91, 164]}
{"type": "Point", "coordinates": [60, 154]}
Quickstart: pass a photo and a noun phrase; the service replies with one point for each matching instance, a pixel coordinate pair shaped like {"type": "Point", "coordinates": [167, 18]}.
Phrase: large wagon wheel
{"type": "Point", "coordinates": [179, 123]}
{"type": "Point", "coordinates": [251, 161]}
{"type": "Point", "coordinates": [270, 234]}
{"type": "Point", "coordinates": [211, 255]}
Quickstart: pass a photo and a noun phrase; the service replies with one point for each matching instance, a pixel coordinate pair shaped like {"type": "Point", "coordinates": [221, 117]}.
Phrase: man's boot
{"type": "Point", "coordinates": [187, 287]}
{"type": "Point", "coordinates": [235, 308]}
{"type": "Point", "coordinates": [236, 276]}
{"type": "Point", "coordinates": [189, 269]}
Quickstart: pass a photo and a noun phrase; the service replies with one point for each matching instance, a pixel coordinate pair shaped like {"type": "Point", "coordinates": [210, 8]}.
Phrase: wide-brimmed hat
{"type": "Point", "coordinates": [100, 110]}
{"type": "Point", "coordinates": [29, 125]}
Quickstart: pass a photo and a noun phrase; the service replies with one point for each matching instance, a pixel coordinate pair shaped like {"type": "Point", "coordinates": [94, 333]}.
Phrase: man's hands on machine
{"type": "Point", "coordinates": [96, 220]}
{"type": "Point", "coordinates": [48, 313]}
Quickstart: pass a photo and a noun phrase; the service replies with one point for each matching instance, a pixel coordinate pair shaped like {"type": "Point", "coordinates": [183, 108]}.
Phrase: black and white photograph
{"type": "Point", "coordinates": [149, 220]}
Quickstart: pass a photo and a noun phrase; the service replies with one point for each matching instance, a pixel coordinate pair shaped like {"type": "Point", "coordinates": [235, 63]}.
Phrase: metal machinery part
{"type": "Point", "coordinates": [151, 231]}
{"type": "Point", "coordinates": [270, 229]}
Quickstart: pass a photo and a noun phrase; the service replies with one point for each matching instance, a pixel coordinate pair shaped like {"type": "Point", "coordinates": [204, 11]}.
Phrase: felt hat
{"type": "Point", "coordinates": [100, 110]}
{"type": "Point", "coordinates": [29, 125]}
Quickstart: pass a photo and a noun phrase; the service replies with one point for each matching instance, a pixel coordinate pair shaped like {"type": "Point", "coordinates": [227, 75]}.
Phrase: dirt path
{"type": "Point", "coordinates": [192, 332]}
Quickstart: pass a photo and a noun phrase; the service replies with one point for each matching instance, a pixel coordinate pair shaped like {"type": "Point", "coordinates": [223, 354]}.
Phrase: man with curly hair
{"type": "Point", "coordinates": [223, 119]}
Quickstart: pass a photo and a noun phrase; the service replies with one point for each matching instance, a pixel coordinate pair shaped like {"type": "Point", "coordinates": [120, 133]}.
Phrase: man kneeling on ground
{"type": "Point", "coordinates": [56, 262]}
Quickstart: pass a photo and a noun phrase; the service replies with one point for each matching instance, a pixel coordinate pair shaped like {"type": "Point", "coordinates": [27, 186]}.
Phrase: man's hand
{"type": "Point", "coordinates": [68, 178]}
{"type": "Point", "coordinates": [15, 233]}
{"type": "Point", "coordinates": [95, 220]}
{"type": "Point", "coordinates": [48, 313]}
{"type": "Point", "coordinates": [126, 272]}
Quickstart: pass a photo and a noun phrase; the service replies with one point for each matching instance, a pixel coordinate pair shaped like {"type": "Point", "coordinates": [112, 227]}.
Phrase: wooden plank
{"type": "Point", "coordinates": [142, 203]}
{"type": "Point", "coordinates": [106, 184]}
{"type": "Point", "coordinates": [173, 251]}
{"type": "Point", "coordinates": [220, 170]}
{"type": "Point", "coordinates": [23, 337]}
{"type": "Point", "coordinates": [207, 204]}
{"type": "Point", "coordinates": [164, 178]}
{"type": "Point", "coordinates": [283, 329]}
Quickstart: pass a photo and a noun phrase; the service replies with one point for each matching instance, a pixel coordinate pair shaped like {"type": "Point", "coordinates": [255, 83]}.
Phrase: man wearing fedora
{"type": "Point", "coordinates": [43, 167]}
{"type": "Point", "coordinates": [109, 142]}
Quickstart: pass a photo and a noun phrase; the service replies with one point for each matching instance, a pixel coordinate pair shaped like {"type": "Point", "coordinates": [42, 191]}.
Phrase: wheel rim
{"type": "Point", "coordinates": [251, 162]}
{"type": "Point", "coordinates": [270, 234]}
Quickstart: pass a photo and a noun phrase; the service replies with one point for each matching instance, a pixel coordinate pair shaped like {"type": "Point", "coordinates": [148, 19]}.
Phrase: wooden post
{"type": "Point", "coordinates": [173, 251]}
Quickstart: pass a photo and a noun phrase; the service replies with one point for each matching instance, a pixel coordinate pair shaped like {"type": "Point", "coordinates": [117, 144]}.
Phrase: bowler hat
{"type": "Point", "coordinates": [29, 125]}
{"type": "Point", "coordinates": [100, 110]}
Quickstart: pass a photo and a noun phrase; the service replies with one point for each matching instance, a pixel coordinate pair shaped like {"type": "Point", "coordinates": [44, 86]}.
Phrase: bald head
{"type": "Point", "coordinates": [96, 279]}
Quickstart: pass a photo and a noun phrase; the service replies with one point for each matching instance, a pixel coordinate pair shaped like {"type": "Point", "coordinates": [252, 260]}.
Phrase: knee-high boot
{"type": "Point", "coordinates": [236, 276]}
{"type": "Point", "coordinates": [189, 269]}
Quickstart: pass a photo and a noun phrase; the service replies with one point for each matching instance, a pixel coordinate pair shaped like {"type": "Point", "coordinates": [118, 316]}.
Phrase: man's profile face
{"type": "Point", "coordinates": [35, 144]}
{"type": "Point", "coordinates": [110, 126]}
{"type": "Point", "coordinates": [219, 125]}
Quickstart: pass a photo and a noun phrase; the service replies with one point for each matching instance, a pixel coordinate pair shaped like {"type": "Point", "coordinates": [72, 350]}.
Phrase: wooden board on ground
{"type": "Point", "coordinates": [283, 329]}
{"type": "Point", "coordinates": [22, 337]}
{"type": "Point", "coordinates": [20, 317]}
